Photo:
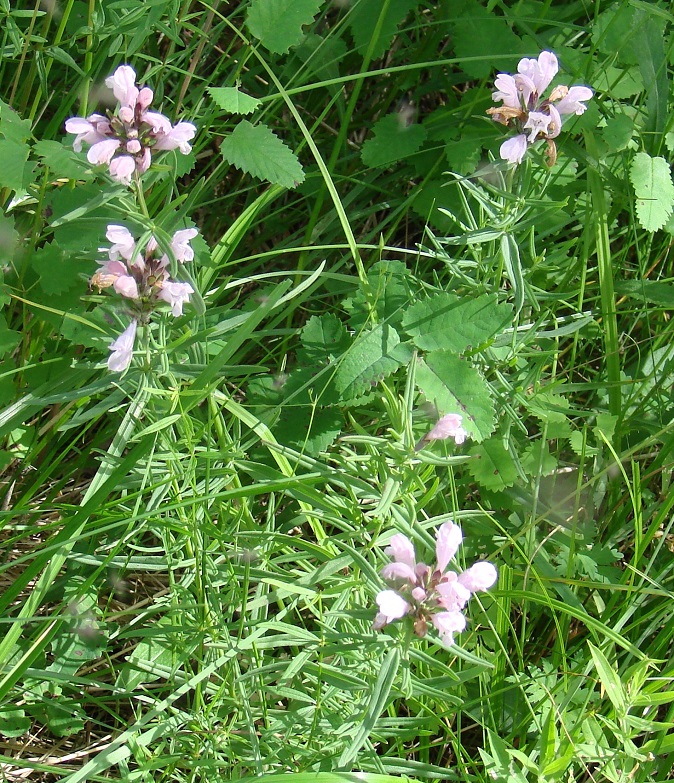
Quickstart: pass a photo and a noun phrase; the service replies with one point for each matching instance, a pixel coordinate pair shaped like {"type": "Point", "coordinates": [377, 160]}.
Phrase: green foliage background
{"type": "Point", "coordinates": [190, 553]}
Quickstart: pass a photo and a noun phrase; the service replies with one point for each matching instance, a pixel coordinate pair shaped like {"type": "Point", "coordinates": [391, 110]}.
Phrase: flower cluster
{"type": "Point", "coordinates": [141, 276]}
{"type": "Point", "coordinates": [126, 140]}
{"type": "Point", "coordinates": [524, 108]}
{"type": "Point", "coordinates": [449, 426]}
{"type": "Point", "coordinates": [430, 593]}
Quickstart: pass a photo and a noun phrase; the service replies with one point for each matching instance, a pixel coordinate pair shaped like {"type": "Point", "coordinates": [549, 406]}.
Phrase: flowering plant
{"type": "Point", "coordinates": [449, 426]}
{"type": "Point", "coordinates": [524, 107]}
{"type": "Point", "coordinates": [125, 141]}
{"type": "Point", "coordinates": [143, 278]}
{"type": "Point", "coordinates": [430, 593]}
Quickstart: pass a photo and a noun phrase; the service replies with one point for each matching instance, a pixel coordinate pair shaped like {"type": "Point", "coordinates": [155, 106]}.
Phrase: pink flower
{"type": "Point", "coordinates": [123, 243]}
{"type": "Point", "coordinates": [125, 141]}
{"type": "Point", "coordinates": [102, 151]}
{"type": "Point", "coordinates": [180, 244]}
{"type": "Point", "coordinates": [92, 130]}
{"type": "Point", "coordinates": [176, 294]}
{"type": "Point", "coordinates": [391, 607]}
{"type": "Point", "coordinates": [123, 84]}
{"type": "Point", "coordinates": [430, 594]}
{"type": "Point", "coordinates": [122, 349]}
{"type": "Point", "coordinates": [524, 106]}
{"type": "Point", "coordinates": [513, 150]}
{"type": "Point", "coordinates": [449, 426]}
{"type": "Point", "coordinates": [121, 169]}
{"type": "Point", "coordinates": [177, 138]}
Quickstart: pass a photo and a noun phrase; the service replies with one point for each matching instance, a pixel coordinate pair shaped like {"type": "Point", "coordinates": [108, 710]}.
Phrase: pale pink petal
{"type": "Point", "coordinates": [121, 169]}
{"type": "Point", "coordinates": [391, 605]}
{"type": "Point", "coordinates": [180, 244]}
{"type": "Point", "coordinates": [158, 122]}
{"type": "Point", "coordinates": [449, 622]}
{"type": "Point", "coordinates": [123, 243]}
{"type": "Point", "coordinates": [513, 150]}
{"type": "Point", "coordinates": [398, 571]}
{"type": "Point", "coordinates": [102, 151]}
{"type": "Point", "coordinates": [123, 84]}
{"type": "Point", "coordinates": [480, 576]}
{"type": "Point", "coordinates": [537, 122]}
{"type": "Point", "coordinates": [126, 286]}
{"type": "Point", "coordinates": [133, 146]}
{"type": "Point", "coordinates": [143, 163]}
{"type": "Point", "coordinates": [176, 294]}
{"type": "Point", "coordinates": [506, 91]}
{"type": "Point", "coordinates": [145, 97]}
{"type": "Point", "coordinates": [571, 103]}
{"type": "Point", "coordinates": [536, 74]}
{"type": "Point", "coordinates": [79, 125]}
{"type": "Point", "coordinates": [452, 594]}
{"type": "Point", "coordinates": [402, 550]}
{"type": "Point", "coordinates": [448, 540]}
{"type": "Point", "coordinates": [449, 426]}
{"type": "Point", "coordinates": [419, 594]}
{"type": "Point", "coordinates": [178, 138]}
{"type": "Point", "coordinates": [122, 349]}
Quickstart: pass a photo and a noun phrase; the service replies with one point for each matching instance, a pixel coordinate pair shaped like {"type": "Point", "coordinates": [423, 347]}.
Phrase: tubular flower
{"type": "Point", "coordinates": [122, 349]}
{"type": "Point", "coordinates": [524, 108]}
{"type": "Point", "coordinates": [430, 594]}
{"type": "Point", "coordinates": [449, 426]}
{"type": "Point", "coordinates": [125, 141]}
{"type": "Point", "coordinates": [141, 275]}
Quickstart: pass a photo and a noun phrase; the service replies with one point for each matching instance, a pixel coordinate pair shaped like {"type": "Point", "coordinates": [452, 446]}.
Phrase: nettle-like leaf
{"type": "Point", "coordinates": [62, 160]}
{"type": "Point", "coordinates": [58, 271]}
{"type": "Point", "coordinates": [492, 466]}
{"type": "Point", "coordinates": [393, 140]}
{"type": "Point", "coordinates": [370, 359]}
{"type": "Point", "coordinates": [454, 386]}
{"type": "Point", "coordinates": [654, 190]}
{"type": "Point", "coordinates": [652, 291]}
{"type": "Point", "coordinates": [278, 23]}
{"type": "Point", "coordinates": [448, 322]}
{"type": "Point", "coordinates": [232, 100]}
{"type": "Point", "coordinates": [480, 36]}
{"type": "Point", "coordinates": [365, 23]}
{"type": "Point", "coordinates": [388, 291]}
{"type": "Point", "coordinates": [324, 337]}
{"type": "Point", "coordinates": [14, 150]}
{"type": "Point", "coordinates": [256, 150]}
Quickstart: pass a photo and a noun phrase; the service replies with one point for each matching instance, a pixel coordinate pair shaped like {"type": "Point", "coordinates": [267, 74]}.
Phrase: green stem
{"type": "Point", "coordinates": [605, 267]}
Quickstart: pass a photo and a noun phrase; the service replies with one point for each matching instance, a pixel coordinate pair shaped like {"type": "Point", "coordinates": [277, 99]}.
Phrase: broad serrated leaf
{"type": "Point", "coordinates": [492, 466]}
{"type": "Point", "coordinates": [454, 386]}
{"type": "Point", "coordinates": [57, 269]}
{"type": "Point", "coordinates": [278, 23]}
{"type": "Point", "coordinates": [232, 100]}
{"type": "Point", "coordinates": [308, 429]}
{"type": "Point", "coordinates": [393, 140]}
{"type": "Point", "coordinates": [12, 127]}
{"type": "Point", "coordinates": [480, 36]}
{"type": "Point", "coordinates": [256, 150]}
{"type": "Point", "coordinates": [324, 337]}
{"type": "Point", "coordinates": [13, 155]}
{"type": "Point", "coordinates": [9, 339]}
{"type": "Point", "coordinates": [370, 18]}
{"type": "Point", "coordinates": [388, 291]}
{"type": "Point", "coordinates": [651, 291]}
{"type": "Point", "coordinates": [654, 191]}
{"type": "Point", "coordinates": [369, 360]}
{"type": "Point", "coordinates": [62, 161]}
{"type": "Point", "coordinates": [448, 322]}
